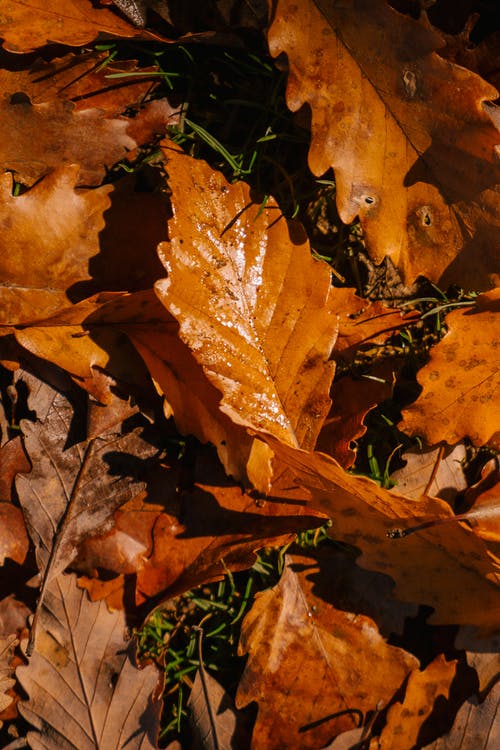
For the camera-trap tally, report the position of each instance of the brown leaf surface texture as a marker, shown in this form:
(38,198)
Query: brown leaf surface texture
(252,304)
(415,162)
(455,569)
(24,26)
(84,688)
(47,237)
(461,382)
(312,668)
(7,645)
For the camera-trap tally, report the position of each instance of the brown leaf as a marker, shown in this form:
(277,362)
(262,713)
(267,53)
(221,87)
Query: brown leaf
(24,27)
(446,566)
(437,471)
(83,79)
(252,304)
(13,537)
(47,237)
(476,727)
(482,653)
(461,380)
(7,645)
(74,486)
(85,690)
(408,134)
(212,711)
(404,720)
(312,668)
(192,537)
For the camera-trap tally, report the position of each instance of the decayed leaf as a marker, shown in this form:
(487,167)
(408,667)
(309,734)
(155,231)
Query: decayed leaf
(85,690)
(461,381)
(476,727)
(7,645)
(408,134)
(26,26)
(74,487)
(447,566)
(252,304)
(312,668)
(437,471)
(404,720)
(47,237)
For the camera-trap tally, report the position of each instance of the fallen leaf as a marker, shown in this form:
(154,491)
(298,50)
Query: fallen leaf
(436,471)
(252,304)
(476,727)
(460,381)
(7,645)
(408,134)
(85,690)
(445,566)
(47,237)
(24,27)
(405,719)
(314,670)
(13,537)
(482,654)
(75,485)
(213,718)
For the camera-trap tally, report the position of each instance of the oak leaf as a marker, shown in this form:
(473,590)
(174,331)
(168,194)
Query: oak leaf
(437,472)
(312,668)
(415,160)
(47,237)
(85,690)
(446,566)
(460,382)
(26,26)
(7,645)
(13,537)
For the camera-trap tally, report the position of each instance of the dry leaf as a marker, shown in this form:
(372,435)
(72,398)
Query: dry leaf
(13,537)
(404,720)
(476,727)
(460,383)
(47,237)
(314,670)
(252,304)
(85,690)
(436,471)
(7,646)
(446,566)
(408,134)
(483,654)
(24,27)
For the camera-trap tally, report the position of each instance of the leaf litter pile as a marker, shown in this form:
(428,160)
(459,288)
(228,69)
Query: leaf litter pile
(227,329)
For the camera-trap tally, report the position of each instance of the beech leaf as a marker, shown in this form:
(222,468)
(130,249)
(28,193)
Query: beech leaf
(413,158)
(252,304)
(85,690)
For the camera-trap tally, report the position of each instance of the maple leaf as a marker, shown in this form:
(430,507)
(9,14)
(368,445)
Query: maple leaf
(460,383)
(339,665)
(85,690)
(412,158)
(48,236)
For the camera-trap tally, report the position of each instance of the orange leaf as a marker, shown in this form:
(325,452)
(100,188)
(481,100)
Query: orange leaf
(253,306)
(408,134)
(313,668)
(404,720)
(461,381)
